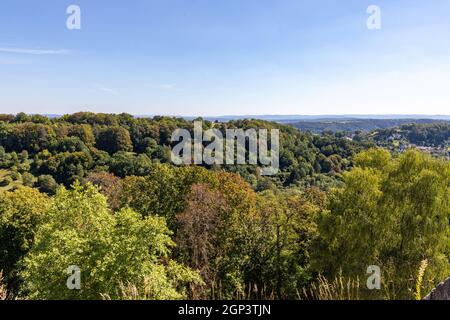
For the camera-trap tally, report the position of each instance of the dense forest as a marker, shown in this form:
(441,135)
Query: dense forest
(63,150)
(99,191)
(429,135)
(356,124)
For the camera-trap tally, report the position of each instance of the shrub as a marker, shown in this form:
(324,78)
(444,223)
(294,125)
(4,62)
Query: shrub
(47,184)
(28,179)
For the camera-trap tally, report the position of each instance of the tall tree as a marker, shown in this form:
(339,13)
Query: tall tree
(197,238)
(114,139)
(393,213)
(112,251)
(21,211)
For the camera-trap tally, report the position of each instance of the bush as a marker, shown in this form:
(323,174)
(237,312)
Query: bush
(47,184)
(15,176)
(28,179)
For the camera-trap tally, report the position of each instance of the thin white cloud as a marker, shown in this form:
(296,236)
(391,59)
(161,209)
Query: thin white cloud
(12,62)
(167,86)
(106,89)
(33,51)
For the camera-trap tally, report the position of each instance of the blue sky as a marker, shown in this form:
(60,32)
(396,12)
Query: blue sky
(225,57)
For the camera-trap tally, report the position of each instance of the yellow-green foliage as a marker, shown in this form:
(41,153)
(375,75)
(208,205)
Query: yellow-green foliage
(419,280)
(392,213)
(111,250)
(21,212)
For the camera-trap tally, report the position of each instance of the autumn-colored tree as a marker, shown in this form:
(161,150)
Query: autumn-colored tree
(163,192)
(109,185)
(197,238)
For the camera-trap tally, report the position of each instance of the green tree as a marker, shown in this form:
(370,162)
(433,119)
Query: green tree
(393,213)
(129,164)
(283,230)
(114,139)
(47,184)
(20,214)
(67,167)
(164,190)
(113,251)
(30,136)
(28,179)
(84,133)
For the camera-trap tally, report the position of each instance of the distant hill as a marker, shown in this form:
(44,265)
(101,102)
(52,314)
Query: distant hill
(320,118)
(352,125)
(295,118)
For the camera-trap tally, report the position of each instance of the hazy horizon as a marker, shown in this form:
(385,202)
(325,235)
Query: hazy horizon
(277,116)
